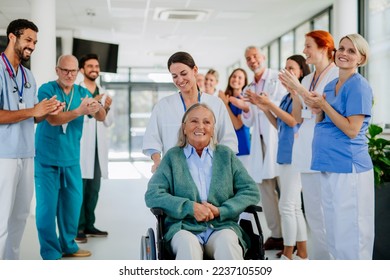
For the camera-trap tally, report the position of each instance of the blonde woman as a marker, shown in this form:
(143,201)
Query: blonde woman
(340,152)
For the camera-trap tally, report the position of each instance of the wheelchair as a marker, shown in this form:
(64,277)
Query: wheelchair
(153,248)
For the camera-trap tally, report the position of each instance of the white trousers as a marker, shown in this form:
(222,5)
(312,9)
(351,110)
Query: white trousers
(290,205)
(269,201)
(348,203)
(16,191)
(222,245)
(317,247)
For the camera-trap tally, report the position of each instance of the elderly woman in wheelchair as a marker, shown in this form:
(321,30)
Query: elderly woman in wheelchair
(202,188)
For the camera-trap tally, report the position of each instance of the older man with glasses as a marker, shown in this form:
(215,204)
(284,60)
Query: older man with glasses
(57,163)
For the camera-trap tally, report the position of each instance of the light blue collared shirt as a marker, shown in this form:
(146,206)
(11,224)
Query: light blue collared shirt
(201,170)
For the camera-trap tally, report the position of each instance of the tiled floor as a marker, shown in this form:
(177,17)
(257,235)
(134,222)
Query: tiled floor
(121,211)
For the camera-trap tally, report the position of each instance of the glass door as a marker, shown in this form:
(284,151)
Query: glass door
(143,97)
(132,107)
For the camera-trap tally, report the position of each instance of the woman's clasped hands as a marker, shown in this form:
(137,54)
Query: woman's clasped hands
(204,212)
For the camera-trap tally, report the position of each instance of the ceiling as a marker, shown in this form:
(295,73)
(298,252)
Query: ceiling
(147,37)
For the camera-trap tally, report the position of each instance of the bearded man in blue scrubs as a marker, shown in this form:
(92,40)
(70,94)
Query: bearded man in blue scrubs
(19,110)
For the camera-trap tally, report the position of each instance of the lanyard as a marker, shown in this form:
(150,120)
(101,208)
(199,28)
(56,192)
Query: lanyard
(184,104)
(64,97)
(25,83)
(313,83)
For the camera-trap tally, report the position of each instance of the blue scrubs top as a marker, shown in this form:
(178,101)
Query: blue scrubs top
(285,133)
(333,151)
(53,146)
(242,133)
(17,139)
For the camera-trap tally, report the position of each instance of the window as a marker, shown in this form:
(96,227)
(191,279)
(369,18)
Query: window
(322,22)
(286,48)
(274,55)
(378,27)
(300,33)
(293,42)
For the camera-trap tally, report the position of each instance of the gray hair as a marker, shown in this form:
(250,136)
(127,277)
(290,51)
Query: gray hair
(62,57)
(182,142)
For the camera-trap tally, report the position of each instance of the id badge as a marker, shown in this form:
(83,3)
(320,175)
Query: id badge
(22,106)
(306,113)
(64,126)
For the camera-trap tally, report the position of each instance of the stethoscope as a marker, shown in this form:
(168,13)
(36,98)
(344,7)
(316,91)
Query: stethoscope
(11,73)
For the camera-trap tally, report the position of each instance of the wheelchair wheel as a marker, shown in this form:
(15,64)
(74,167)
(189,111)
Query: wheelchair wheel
(148,246)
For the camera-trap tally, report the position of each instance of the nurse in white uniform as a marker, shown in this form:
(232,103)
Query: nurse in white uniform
(319,48)
(162,131)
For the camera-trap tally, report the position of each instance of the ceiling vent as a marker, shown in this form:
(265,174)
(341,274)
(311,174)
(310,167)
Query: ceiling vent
(183,15)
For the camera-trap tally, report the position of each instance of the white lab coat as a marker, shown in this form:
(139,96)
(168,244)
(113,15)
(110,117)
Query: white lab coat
(88,144)
(263,166)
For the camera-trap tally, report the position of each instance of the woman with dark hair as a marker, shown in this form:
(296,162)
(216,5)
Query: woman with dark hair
(238,79)
(290,208)
(319,49)
(161,132)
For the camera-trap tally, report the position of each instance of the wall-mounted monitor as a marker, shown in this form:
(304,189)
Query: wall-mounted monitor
(107,53)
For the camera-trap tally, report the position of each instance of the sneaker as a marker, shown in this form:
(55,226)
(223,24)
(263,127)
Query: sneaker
(298,258)
(284,258)
(273,243)
(95,233)
(79,254)
(81,237)
(279,254)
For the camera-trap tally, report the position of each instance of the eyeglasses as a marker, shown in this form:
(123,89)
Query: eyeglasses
(73,72)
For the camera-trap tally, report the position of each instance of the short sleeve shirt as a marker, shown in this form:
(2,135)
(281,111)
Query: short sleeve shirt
(334,151)
(56,145)
(285,134)
(243,134)
(17,139)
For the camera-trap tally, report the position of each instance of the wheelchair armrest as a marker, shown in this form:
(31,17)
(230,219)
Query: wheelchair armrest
(157,211)
(253,209)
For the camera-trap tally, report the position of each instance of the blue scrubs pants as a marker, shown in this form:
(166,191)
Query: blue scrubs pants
(59,197)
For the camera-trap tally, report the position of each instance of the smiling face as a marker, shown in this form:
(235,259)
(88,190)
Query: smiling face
(183,76)
(25,44)
(199,127)
(237,81)
(313,53)
(91,69)
(210,83)
(254,59)
(293,67)
(347,56)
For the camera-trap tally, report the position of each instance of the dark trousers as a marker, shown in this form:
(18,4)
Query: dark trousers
(91,189)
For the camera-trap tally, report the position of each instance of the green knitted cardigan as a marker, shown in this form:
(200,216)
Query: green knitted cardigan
(173,189)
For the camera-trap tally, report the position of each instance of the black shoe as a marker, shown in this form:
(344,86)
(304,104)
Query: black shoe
(273,243)
(81,237)
(95,233)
